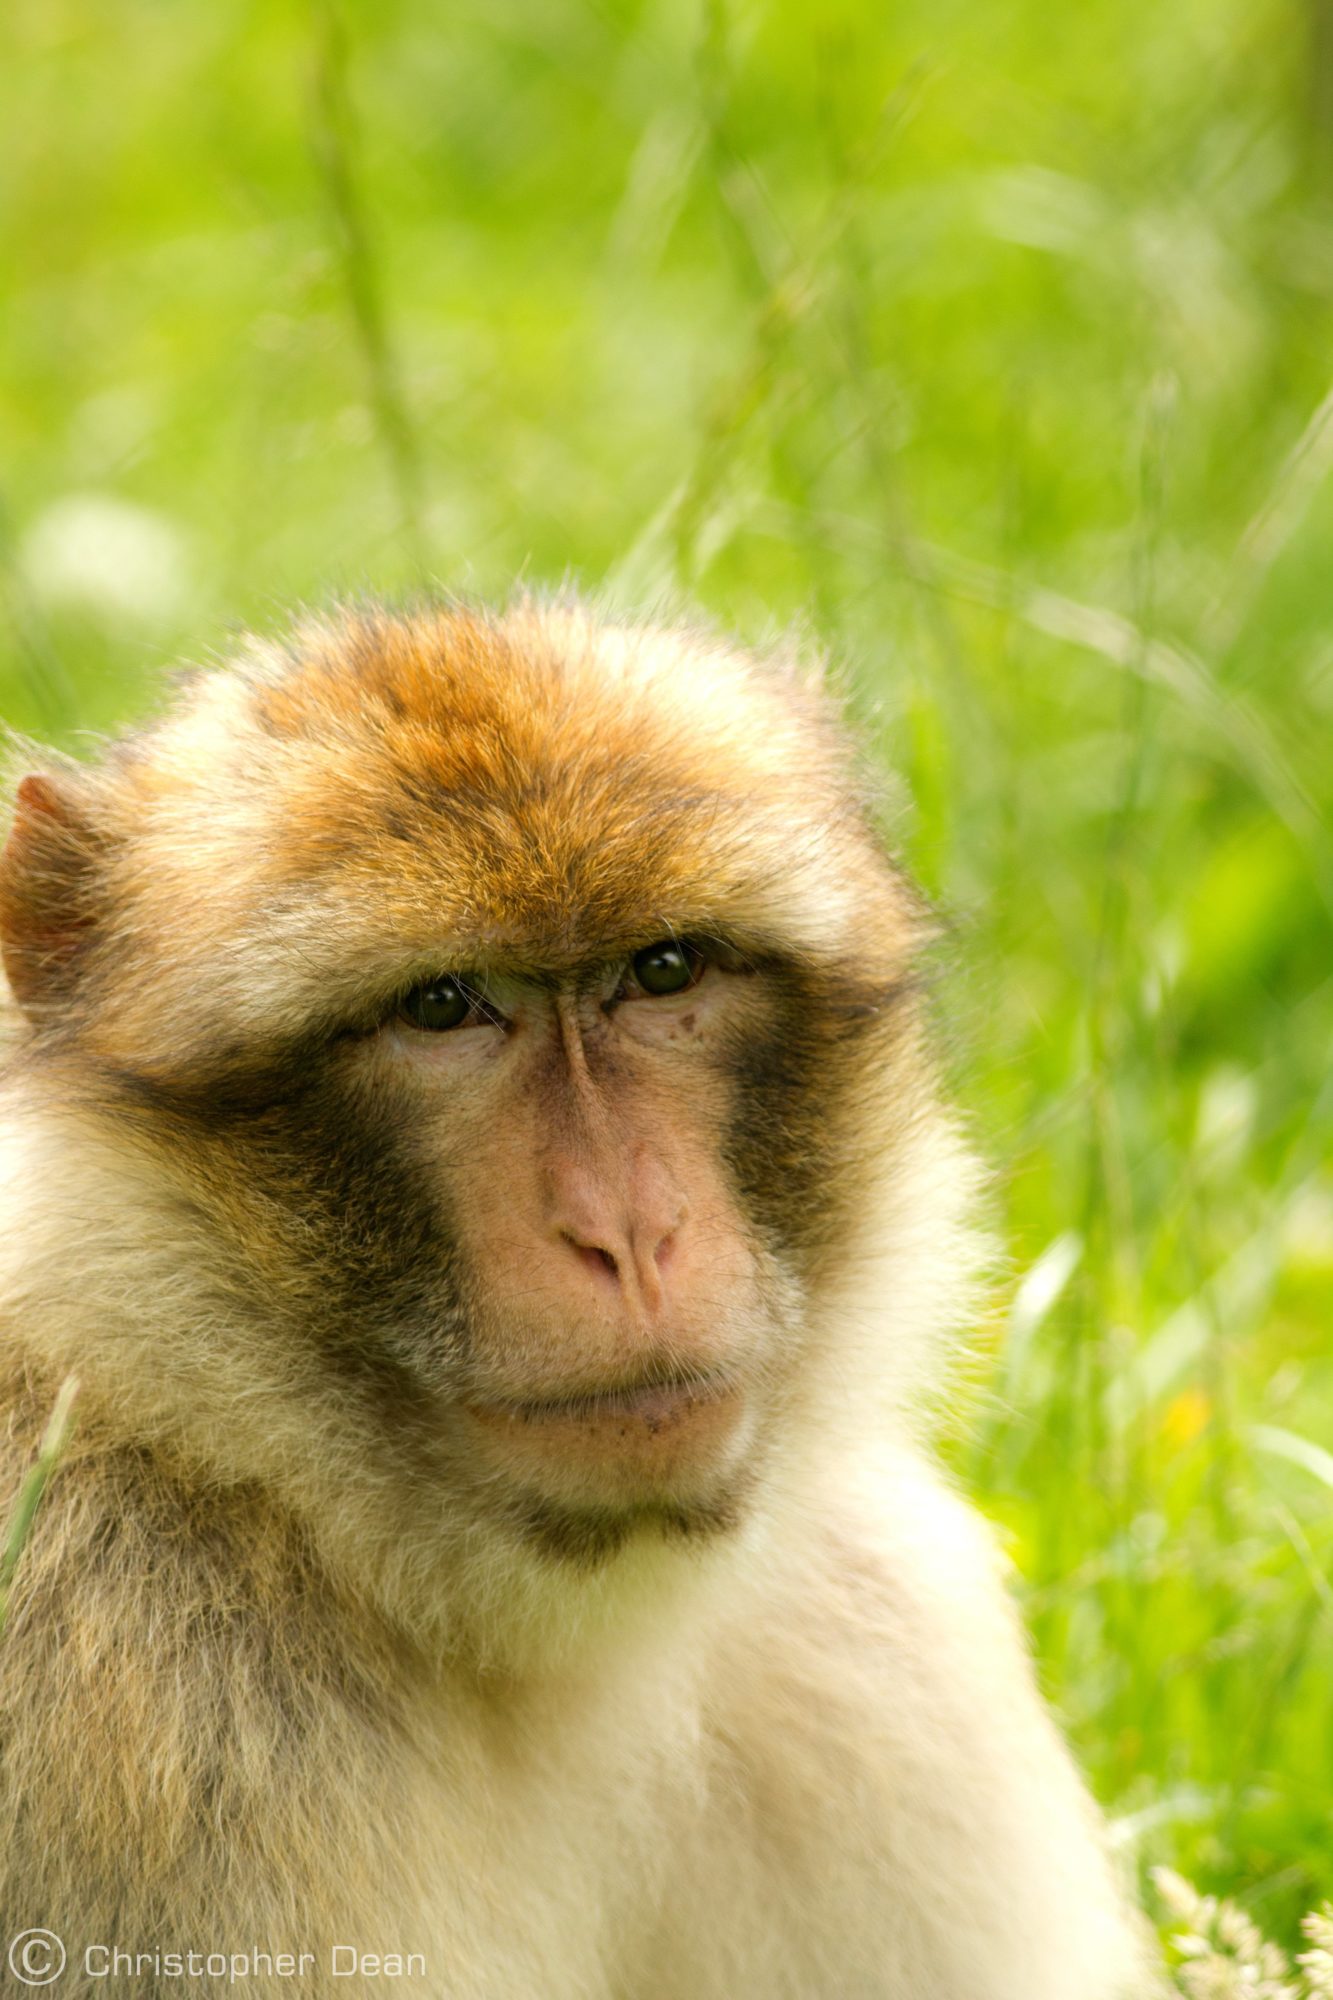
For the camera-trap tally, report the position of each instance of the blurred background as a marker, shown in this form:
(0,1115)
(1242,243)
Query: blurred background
(992,348)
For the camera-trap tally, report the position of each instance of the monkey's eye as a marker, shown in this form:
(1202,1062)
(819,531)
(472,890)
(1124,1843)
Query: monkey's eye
(442,1004)
(669,966)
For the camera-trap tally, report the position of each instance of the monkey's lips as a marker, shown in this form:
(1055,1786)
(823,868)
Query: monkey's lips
(654,1433)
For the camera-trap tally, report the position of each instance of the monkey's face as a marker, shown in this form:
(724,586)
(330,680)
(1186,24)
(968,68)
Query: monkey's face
(620,1320)
(556,1228)
(520,1005)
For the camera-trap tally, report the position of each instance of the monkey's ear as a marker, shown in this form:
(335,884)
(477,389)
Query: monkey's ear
(49,878)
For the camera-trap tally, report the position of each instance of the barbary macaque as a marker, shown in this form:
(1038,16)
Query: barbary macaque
(467,1123)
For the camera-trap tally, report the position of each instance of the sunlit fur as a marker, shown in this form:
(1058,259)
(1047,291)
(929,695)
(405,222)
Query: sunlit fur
(283,1669)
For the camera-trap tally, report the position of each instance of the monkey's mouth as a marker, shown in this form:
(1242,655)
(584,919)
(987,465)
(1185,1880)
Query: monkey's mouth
(658,1435)
(655,1405)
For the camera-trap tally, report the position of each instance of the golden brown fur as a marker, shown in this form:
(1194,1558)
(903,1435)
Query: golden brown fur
(378,1604)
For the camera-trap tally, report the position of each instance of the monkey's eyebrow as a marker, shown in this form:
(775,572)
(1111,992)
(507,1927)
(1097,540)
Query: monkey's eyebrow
(537,963)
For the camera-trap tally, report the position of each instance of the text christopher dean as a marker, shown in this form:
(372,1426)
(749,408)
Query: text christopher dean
(345,1961)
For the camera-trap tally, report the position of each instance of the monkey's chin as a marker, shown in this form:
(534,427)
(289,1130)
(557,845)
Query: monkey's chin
(676,1444)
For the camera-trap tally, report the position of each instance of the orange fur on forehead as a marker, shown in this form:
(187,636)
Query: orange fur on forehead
(385,796)
(535,778)
(519,776)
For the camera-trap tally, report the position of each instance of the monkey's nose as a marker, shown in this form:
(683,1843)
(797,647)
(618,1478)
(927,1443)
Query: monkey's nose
(619,1211)
(632,1255)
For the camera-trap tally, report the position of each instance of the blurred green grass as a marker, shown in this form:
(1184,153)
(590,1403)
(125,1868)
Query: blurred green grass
(991,347)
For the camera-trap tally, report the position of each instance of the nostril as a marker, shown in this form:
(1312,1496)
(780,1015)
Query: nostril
(598,1260)
(665,1250)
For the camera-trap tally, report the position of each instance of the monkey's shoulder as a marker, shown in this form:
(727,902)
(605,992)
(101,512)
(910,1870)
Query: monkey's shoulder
(883,1657)
(190,1622)
(886,1557)
(875,1721)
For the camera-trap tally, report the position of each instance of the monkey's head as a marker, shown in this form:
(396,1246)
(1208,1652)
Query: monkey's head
(493,1049)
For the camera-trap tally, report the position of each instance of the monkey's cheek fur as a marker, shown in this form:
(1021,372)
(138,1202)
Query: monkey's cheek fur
(667,1442)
